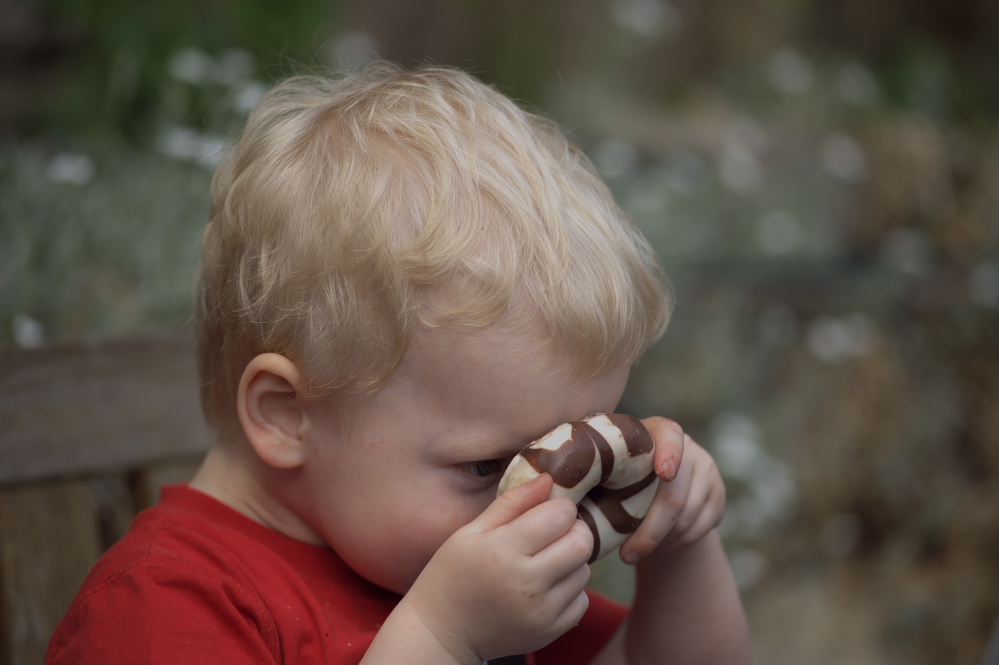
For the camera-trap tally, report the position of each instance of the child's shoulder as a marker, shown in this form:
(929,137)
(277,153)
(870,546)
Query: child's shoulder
(181,531)
(175,567)
(197,582)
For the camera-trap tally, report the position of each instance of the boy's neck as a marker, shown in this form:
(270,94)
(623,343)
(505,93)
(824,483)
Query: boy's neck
(229,477)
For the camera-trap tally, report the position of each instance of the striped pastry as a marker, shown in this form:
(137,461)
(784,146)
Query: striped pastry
(604,464)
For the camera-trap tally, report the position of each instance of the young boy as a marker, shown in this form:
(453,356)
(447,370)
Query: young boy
(405,279)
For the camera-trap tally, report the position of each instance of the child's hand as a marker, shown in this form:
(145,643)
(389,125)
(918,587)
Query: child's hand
(690,501)
(509,582)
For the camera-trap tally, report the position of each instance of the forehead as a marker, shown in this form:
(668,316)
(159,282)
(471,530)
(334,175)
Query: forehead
(500,361)
(493,389)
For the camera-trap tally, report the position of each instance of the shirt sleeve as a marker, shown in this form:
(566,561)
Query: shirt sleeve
(581,644)
(157,613)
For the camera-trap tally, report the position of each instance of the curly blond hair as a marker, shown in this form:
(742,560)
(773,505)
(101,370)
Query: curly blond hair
(358,207)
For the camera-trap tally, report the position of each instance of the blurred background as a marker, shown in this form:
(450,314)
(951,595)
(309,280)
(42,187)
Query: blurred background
(820,178)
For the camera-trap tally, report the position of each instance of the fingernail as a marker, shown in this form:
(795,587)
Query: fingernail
(535,480)
(524,485)
(668,470)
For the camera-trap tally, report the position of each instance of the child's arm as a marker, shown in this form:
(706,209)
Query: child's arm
(687,608)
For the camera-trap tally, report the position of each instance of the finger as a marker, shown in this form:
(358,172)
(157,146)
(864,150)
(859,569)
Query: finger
(705,524)
(573,613)
(540,526)
(669,439)
(706,505)
(698,501)
(565,591)
(567,553)
(513,503)
(667,506)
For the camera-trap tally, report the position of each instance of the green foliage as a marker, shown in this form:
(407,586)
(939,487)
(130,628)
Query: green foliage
(101,258)
(117,77)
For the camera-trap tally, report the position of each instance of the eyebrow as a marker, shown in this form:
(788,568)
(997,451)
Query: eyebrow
(485,448)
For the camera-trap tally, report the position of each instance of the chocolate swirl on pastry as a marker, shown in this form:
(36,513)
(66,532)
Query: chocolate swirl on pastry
(604,464)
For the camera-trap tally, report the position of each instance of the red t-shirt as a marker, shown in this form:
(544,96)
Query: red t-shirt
(195,582)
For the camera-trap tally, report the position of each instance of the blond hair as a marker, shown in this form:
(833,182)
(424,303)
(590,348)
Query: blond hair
(354,209)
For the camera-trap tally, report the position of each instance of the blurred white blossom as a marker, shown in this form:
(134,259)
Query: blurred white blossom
(835,339)
(615,157)
(748,567)
(648,195)
(774,490)
(234,65)
(789,72)
(736,446)
(747,132)
(770,487)
(908,251)
(856,85)
(686,172)
(28,333)
(71,168)
(649,18)
(739,169)
(778,232)
(193,66)
(983,284)
(352,50)
(189,144)
(246,95)
(843,158)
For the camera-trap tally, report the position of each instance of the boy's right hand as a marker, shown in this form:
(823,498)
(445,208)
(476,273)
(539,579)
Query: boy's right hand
(509,582)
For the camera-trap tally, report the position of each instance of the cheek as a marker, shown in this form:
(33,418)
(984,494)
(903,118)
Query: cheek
(431,523)
(406,544)
(425,527)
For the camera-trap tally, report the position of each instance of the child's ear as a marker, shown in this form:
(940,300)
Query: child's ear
(270,410)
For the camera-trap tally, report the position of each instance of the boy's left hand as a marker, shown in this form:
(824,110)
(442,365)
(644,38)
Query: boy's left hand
(690,501)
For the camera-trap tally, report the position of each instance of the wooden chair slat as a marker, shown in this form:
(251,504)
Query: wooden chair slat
(49,540)
(80,408)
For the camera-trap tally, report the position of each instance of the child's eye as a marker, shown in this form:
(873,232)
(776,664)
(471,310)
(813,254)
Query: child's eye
(483,468)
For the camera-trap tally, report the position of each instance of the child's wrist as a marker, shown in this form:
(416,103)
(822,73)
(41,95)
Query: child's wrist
(411,638)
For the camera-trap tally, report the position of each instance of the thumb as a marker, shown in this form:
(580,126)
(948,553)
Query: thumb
(513,503)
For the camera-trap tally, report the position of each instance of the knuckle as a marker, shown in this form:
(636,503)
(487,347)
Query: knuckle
(683,524)
(665,426)
(580,548)
(694,448)
(582,605)
(583,546)
(643,544)
(568,507)
(673,426)
(719,515)
(674,501)
(561,509)
(686,540)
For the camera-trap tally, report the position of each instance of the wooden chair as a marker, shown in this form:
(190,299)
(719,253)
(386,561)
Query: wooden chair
(89,432)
